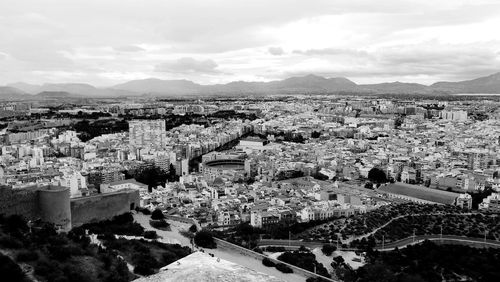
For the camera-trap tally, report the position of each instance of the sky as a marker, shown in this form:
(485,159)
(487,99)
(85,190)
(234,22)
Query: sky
(105,42)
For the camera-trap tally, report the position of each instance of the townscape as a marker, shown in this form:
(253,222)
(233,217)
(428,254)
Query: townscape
(280,169)
(249,141)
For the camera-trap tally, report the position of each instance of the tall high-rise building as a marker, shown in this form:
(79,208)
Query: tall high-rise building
(147,133)
(454,115)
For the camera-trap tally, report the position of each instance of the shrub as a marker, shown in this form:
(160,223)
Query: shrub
(9,270)
(107,236)
(160,224)
(143,269)
(267,262)
(121,225)
(273,249)
(151,234)
(205,239)
(284,268)
(145,263)
(187,234)
(10,242)
(338,260)
(258,250)
(157,214)
(27,255)
(144,211)
(304,260)
(328,249)
(15,224)
(193,228)
(50,270)
(316,279)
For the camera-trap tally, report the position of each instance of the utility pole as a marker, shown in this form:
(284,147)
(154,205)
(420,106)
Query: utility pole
(441,236)
(383,242)
(289,238)
(413,235)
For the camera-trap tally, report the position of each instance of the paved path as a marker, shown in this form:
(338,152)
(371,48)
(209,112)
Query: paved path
(174,237)
(169,237)
(473,242)
(477,242)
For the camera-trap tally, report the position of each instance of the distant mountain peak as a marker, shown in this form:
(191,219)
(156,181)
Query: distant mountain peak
(309,83)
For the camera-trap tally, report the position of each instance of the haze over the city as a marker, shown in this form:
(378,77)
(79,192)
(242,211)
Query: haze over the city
(208,42)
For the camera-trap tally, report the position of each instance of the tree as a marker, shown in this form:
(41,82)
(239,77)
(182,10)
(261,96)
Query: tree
(398,121)
(150,234)
(193,228)
(283,268)
(376,272)
(304,259)
(152,176)
(268,262)
(157,215)
(320,176)
(205,239)
(172,174)
(338,260)
(10,271)
(315,134)
(328,249)
(377,175)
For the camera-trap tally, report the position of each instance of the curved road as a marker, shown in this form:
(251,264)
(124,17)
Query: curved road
(391,245)
(396,218)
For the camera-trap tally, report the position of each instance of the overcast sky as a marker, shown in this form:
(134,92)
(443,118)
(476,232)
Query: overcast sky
(104,42)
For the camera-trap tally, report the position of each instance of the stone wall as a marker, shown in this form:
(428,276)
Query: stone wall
(246,252)
(54,206)
(19,201)
(102,206)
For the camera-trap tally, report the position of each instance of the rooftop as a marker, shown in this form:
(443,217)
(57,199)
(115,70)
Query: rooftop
(132,181)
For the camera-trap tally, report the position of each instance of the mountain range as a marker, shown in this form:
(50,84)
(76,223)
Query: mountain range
(309,84)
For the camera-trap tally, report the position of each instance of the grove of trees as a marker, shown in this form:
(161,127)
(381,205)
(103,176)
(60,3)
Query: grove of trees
(377,175)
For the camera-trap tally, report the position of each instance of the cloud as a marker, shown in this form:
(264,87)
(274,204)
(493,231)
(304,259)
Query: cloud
(276,51)
(188,65)
(128,48)
(364,39)
(331,51)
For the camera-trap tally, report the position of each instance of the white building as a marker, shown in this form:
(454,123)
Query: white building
(123,185)
(147,133)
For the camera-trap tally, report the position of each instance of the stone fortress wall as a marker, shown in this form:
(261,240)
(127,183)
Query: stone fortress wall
(103,206)
(53,204)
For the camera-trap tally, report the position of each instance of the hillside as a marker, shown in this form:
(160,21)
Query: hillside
(488,84)
(309,84)
(11,93)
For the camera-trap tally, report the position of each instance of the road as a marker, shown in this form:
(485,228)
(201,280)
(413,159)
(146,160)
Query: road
(396,218)
(392,245)
(473,242)
(174,237)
